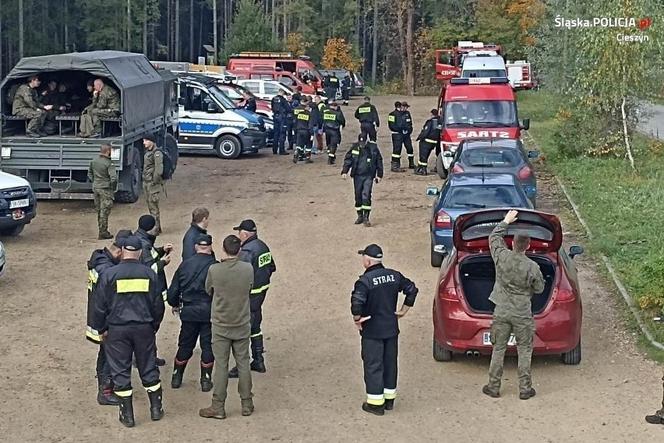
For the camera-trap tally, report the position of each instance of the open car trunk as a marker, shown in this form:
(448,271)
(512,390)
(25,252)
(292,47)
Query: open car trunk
(478,276)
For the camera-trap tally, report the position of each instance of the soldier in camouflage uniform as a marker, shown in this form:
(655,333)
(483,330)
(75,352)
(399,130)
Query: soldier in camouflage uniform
(104,181)
(105,104)
(26,104)
(153,182)
(518,278)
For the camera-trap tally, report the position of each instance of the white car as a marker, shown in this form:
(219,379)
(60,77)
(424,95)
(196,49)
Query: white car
(265,89)
(3,260)
(18,205)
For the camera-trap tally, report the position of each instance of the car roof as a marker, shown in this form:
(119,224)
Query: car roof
(476,179)
(491,143)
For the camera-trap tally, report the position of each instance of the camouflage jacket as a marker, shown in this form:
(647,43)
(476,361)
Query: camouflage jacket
(517,276)
(107,100)
(102,174)
(153,167)
(25,98)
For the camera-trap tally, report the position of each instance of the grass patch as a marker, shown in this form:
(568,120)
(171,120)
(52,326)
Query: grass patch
(624,209)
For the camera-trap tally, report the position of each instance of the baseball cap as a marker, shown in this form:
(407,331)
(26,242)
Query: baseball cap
(204,240)
(121,236)
(405,104)
(372,251)
(397,104)
(131,243)
(246,225)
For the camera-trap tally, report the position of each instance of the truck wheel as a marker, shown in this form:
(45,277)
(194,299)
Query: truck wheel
(228,147)
(442,172)
(440,353)
(131,195)
(573,357)
(12,232)
(171,146)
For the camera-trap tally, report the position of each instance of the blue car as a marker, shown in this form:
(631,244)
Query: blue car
(468,192)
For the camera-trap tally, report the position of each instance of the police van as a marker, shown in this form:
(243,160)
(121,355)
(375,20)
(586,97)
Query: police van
(209,121)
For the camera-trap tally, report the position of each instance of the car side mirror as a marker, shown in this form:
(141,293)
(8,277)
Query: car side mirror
(211,107)
(525,124)
(432,191)
(533,154)
(575,250)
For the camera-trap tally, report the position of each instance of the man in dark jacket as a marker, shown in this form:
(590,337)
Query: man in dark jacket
(200,219)
(367,115)
(187,296)
(128,310)
(407,132)
(429,139)
(333,121)
(256,252)
(279,117)
(373,305)
(365,164)
(345,89)
(100,261)
(304,127)
(249,102)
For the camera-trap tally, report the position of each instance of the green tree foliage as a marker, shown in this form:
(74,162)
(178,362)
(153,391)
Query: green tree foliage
(250,31)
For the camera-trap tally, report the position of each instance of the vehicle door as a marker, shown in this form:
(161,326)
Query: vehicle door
(200,117)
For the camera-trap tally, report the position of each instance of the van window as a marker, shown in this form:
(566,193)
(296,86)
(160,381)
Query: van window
(254,87)
(483,73)
(287,66)
(197,100)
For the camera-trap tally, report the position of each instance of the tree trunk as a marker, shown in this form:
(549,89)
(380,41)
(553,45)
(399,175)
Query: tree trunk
(214,25)
(401,6)
(410,59)
(285,6)
(128,26)
(374,43)
(273,20)
(626,135)
(65,26)
(169,46)
(364,42)
(145,27)
(20,28)
(2,72)
(358,14)
(200,27)
(191,31)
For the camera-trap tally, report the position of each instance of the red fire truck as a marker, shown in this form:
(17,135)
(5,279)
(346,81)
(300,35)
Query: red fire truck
(302,67)
(449,61)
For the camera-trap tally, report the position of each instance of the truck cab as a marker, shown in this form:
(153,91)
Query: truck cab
(209,121)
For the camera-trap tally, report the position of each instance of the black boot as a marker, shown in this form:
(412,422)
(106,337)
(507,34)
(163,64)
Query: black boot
(156,409)
(656,419)
(411,163)
(178,373)
(367,223)
(360,217)
(373,409)
(257,364)
(105,395)
(296,156)
(127,412)
(421,170)
(161,361)
(389,405)
(396,167)
(206,378)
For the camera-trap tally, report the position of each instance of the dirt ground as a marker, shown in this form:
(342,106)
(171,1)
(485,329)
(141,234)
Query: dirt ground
(313,388)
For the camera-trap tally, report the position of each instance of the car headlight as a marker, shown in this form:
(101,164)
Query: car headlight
(115,154)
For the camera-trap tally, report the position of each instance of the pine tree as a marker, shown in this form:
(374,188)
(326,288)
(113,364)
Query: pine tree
(249,31)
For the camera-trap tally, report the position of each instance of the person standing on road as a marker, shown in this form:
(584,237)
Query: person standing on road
(128,311)
(317,108)
(153,181)
(229,283)
(104,182)
(333,121)
(100,261)
(406,133)
(187,296)
(658,417)
(367,115)
(257,253)
(518,278)
(279,116)
(200,219)
(373,305)
(345,89)
(304,126)
(395,122)
(26,104)
(365,164)
(429,139)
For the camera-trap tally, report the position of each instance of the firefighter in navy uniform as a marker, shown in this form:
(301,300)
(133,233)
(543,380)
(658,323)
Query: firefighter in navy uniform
(330,86)
(304,125)
(333,121)
(367,115)
(187,296)
(100,261)
(256,252)
(373,305)
(128,309)
(365,164)
(394,122)
(407,132)
(345,89)
(429,139)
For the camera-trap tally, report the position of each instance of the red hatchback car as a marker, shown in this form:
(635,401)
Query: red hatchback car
(462,312)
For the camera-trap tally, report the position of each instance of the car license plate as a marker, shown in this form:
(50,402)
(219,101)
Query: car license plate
(19,203)
(486,339)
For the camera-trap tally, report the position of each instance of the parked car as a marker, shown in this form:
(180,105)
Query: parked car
(235,92)
(467,192)
(264,89)
(18,205)
(496,155)
(462,311)
(3,259)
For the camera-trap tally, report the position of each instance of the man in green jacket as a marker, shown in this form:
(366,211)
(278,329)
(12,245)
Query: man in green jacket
(105,104)
(229,284)
(518,278)
(153,182)
(26,104)
(104,181)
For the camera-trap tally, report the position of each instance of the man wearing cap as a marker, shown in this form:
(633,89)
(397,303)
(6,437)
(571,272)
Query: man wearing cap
(128,309)
(373,305)
(229,284)
(153,182)
(304,128)
(401,126)
(200,219)
(104,181)
(256,252)
(187,296)
(333,121)
(365,163)
(367,115)
(100,261)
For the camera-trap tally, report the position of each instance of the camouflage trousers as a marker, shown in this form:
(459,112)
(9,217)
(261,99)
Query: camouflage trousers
(501,329)
(36,121)
(103,205)
(91,121)
(152,195)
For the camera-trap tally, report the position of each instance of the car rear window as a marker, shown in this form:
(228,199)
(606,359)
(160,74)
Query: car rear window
(484,229)
(482,196)
(490,157)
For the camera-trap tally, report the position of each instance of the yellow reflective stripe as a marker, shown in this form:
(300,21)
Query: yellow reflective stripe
(411,155)
(124,394)
(261,289)
(389,394)
(93,276)
(164,294)
(366,208)
(430,140)
(302,116)
(355,152)
(258,334)
(364,109)
(396,156)
(376,400)
(154,388)
(133,285)
(331,155)
(154,254)
(329,116)
(390,118)
(264,259)
(423,163)
(93,335)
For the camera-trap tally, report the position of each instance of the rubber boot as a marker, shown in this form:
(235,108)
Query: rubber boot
(206,377)
(127,411)
(178,373)
(156,409)
(257,363)
(330,160)
(411,163)
(360,217)
(296,155)
(307,158)
(656,419)
(421,170)
(367,223)
(373,409)
(105,395)
(389,404)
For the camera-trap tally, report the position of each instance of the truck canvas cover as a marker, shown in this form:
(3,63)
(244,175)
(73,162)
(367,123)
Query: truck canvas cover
(140,85)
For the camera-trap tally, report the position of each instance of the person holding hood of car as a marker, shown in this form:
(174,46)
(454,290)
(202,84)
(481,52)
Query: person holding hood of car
(518,278)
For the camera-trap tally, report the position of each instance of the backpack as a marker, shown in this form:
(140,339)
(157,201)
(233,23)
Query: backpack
(169,165)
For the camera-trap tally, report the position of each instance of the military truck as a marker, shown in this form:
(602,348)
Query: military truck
(56,165)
